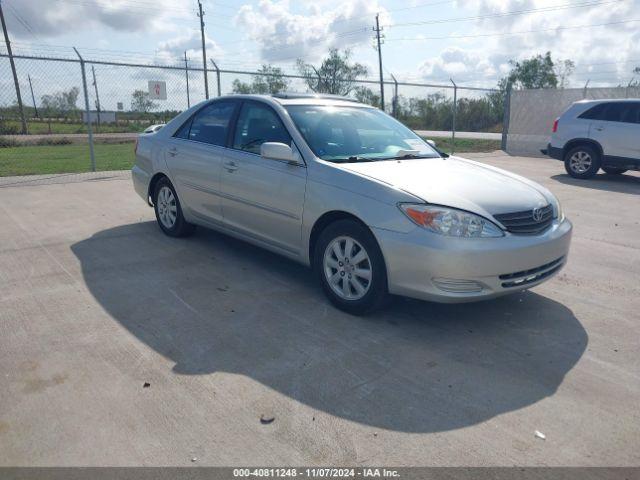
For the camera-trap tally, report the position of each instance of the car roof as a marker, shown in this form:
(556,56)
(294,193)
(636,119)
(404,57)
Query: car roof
(303,99)
(607,100)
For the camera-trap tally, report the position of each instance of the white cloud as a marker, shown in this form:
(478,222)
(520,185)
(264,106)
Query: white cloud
(284,36)
(601,53)
(191,42)
(49,18)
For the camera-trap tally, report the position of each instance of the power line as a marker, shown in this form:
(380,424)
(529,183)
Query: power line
(506,14)
(500,34)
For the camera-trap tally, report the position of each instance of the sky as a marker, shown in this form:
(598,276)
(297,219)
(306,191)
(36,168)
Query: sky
(432,41)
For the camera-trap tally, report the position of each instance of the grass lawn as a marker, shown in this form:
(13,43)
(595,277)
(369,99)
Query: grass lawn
(37,160)
(36,128)
(467,145)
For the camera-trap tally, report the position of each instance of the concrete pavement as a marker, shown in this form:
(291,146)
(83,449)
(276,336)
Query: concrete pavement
(95,303)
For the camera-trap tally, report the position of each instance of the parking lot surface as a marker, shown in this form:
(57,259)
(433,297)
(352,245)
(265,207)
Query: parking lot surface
(121,346)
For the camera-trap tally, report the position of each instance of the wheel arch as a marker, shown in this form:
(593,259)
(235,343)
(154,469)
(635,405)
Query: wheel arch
(582,141)
(152,185)
(327,219)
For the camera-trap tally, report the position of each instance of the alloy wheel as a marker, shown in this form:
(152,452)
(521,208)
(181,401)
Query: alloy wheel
(580,162)
(167,207)
(347,268)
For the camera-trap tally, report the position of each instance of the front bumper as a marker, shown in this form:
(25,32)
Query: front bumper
(432,267)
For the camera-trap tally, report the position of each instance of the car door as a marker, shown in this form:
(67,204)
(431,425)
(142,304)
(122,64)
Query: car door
(617,131)
(194,156)
(262,198)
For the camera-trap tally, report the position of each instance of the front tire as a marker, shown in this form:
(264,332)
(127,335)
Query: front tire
(168,210)
(582,162)
(350,267)
(614,170)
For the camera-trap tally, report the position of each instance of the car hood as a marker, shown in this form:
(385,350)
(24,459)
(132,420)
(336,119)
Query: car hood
(458,183)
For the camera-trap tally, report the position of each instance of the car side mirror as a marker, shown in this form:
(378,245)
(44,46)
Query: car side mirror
(431,142)
(277,151)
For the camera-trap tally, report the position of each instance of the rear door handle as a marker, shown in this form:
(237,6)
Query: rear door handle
(230,166)
(599,129)
(173,151)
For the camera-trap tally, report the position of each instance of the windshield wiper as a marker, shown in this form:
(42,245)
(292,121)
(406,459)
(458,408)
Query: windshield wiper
(408,156)
(353,158)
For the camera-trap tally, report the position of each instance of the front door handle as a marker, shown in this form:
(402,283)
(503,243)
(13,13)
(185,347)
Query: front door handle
(230,166)
(173,151)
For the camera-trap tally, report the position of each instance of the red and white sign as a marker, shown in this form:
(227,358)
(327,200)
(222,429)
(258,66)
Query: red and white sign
(157,90)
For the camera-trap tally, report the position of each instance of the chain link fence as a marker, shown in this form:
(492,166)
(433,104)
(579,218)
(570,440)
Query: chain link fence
(532,113)
(119,104)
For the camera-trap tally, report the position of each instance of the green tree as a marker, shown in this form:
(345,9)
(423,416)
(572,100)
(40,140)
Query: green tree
(535,72)
(60,103)
(268,80)
(366,95)
(563,70)
(634,82)
(336,75)
(140,102)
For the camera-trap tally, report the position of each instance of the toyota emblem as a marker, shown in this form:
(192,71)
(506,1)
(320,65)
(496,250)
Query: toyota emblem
(537,214)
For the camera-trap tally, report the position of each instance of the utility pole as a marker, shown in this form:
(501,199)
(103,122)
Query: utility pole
(33,98)
(95,85)
(186,73)
(377,29)
(13,69)
(204,51)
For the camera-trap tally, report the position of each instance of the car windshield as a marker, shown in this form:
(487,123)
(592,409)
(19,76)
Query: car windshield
(351,134)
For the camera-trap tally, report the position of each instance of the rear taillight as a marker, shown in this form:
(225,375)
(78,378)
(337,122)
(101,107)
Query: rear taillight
(555,126)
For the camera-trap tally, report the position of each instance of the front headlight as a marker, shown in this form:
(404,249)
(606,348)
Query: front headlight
(557,210)
(449,221)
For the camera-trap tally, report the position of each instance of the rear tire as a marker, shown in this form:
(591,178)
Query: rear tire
(350,267)
(613,170)
(582,162)
(168,210)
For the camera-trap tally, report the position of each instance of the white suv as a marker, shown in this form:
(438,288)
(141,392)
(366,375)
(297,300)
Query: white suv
(594,134)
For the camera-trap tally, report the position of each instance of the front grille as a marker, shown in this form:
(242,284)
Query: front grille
(525,277)
(523,223)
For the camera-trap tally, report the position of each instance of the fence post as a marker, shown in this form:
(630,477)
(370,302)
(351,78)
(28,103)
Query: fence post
(215,65)
(453,123)
(394,102)
(86,106)
(584,90)
(13,71)
(505,117)
(186,74)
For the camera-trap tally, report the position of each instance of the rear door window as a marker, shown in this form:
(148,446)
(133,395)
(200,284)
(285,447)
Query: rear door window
(211,124)
(632,113)
(615,112)
(183,131)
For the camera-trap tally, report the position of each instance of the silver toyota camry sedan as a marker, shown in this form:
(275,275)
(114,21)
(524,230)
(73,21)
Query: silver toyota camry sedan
(346,189)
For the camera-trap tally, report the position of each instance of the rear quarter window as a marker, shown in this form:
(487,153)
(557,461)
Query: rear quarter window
(594,113)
